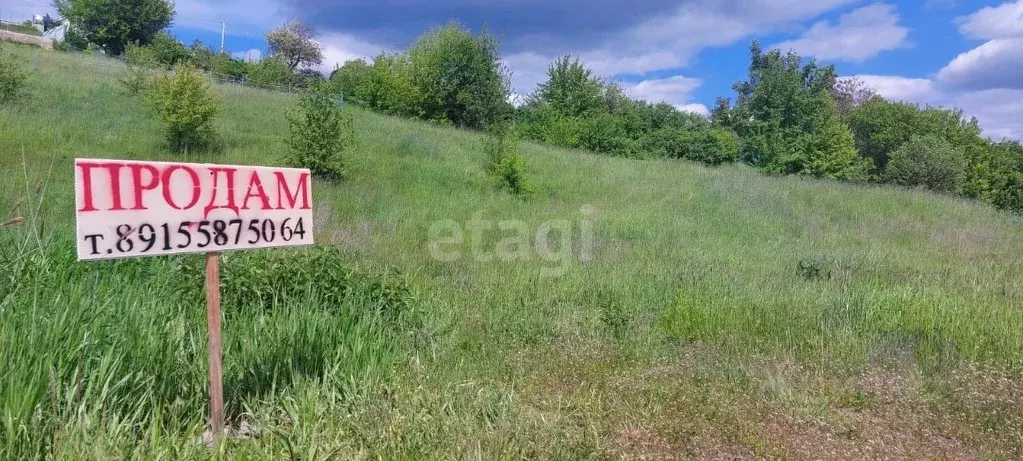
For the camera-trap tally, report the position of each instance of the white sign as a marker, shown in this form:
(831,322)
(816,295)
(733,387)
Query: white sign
(127,208)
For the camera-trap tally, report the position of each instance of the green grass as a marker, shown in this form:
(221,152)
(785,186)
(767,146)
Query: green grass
(21,29)
(691,329)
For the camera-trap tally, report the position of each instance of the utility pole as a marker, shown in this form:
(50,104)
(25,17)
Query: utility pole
(223,32)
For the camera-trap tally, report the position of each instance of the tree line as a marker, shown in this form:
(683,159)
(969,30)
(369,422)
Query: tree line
(137,31)
(789,115)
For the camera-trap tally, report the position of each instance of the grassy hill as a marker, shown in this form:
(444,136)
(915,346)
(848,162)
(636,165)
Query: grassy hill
(715,313)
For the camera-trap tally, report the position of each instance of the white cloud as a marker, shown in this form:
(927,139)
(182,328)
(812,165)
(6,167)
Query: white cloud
(698,109)
(916,90)
(995,64)
(1003,21)
(241,17)
(674,90)
(670,41)
(996,110)
(338,48)
(859,35)
(252,55)
(527,70)
(516,99)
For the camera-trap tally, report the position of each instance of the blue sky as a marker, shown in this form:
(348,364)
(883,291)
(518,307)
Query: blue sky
(964,53)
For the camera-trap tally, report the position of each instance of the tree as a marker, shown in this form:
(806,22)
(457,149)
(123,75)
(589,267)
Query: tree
(881,126)
(712,146)
(270,72)
(460,77)
(928,161)
(354,80)
(187,106)
(12,77)
(391,88)
(786,117)
(295,43)
(570,89)
(830,152)
(850,93)
(995,175)
(321,133)
(112,24)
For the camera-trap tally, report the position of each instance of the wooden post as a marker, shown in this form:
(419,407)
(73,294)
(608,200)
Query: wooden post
(213,334)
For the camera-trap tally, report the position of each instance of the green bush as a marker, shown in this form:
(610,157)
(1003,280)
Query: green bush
(317,276)
(547,125)
(504,163)
(607,134)
(321,133)
(135,79)
(995,175)
(710,146)
(930,162)
(137,55)
(73,41)
(571,89)
(881,126)
(163,51)
(12,77)
(830,152)
(187,107)
(353,80)
(786,118)
(270,73)
(460,78)
(392,88)
(168,51)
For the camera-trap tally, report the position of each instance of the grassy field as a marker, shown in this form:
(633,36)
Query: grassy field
(716,313)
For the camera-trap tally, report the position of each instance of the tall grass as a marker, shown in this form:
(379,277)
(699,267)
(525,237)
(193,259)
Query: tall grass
(715,300)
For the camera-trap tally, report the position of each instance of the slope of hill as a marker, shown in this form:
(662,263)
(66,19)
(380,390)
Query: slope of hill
(701,312)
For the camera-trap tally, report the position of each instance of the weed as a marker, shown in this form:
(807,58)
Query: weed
(12,77)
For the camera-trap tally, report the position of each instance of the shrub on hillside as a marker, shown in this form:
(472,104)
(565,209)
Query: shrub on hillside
(786,118)
(137,55)
(571,89)
(503,161)
(930,162)
(307,78)
(73,41)
(187,107)
(547,125)
(995,175)
(353,80)
(881,126)
(391,88)
(321,133)
(12,77)
(460,78)
(135,79)
(710,146)
(270,73)
(830,152)
(163,51)
(608,134)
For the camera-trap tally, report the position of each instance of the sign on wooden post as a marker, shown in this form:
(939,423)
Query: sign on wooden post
(130,209)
